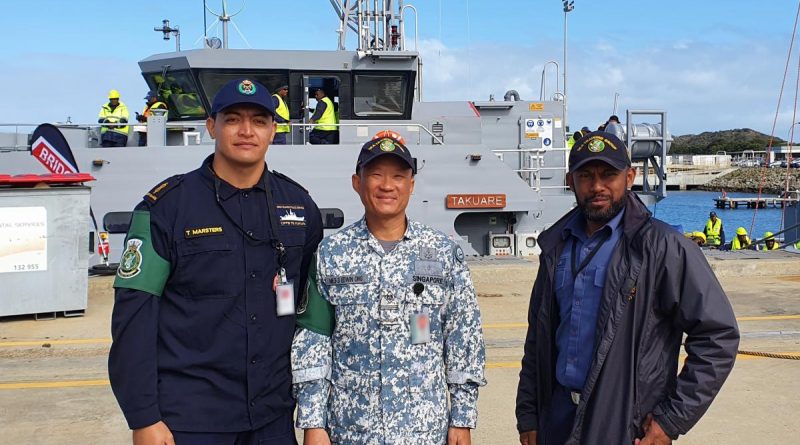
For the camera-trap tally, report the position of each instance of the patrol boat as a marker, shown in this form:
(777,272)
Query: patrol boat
(491,172)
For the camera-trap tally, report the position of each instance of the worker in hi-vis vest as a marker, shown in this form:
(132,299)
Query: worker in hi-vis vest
(113,112)
(281,115)
(153,103)
(715,235)
(326,131)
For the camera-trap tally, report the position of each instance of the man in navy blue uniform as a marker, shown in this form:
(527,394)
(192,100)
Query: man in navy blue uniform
(204,313)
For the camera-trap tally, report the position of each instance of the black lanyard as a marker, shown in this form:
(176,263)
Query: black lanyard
(272,214)
(589,256)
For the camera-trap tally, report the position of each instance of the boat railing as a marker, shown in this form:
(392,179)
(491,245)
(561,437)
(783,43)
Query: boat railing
(533,163)
(18,139)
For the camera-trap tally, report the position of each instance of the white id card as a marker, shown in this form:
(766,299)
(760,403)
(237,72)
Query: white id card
(420,328)
(284,299)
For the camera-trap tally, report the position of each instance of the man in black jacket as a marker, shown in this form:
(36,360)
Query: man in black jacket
(615,292)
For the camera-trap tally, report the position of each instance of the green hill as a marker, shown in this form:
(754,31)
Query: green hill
(730,141)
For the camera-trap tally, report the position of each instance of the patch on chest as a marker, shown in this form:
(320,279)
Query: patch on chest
(428,268)
(292,215)
(427,253)
(345,279)
(202,231)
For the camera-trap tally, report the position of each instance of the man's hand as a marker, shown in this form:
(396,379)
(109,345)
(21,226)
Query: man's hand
(458,436)
(527,438)
(316,436)
(653,434)
(155,434)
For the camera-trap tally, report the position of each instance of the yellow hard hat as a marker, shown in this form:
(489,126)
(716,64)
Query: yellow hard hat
(768,235)
(113,94)
(741,231)
(698,234)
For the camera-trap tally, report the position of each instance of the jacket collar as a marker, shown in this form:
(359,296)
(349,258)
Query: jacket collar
(636,214)
(222,188)
(362,231)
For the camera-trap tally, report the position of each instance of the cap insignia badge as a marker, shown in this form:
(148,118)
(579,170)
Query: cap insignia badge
(387,145)
(247,88)
(596,146)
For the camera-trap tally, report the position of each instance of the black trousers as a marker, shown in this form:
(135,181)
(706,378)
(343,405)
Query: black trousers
(558,419)
(278,432)
(323,137)
(279,139)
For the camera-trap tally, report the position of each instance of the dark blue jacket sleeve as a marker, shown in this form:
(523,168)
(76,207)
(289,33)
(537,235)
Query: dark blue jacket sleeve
(321,106)
(527,411)
(132,362)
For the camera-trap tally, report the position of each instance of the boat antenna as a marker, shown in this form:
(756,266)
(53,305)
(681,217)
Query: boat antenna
(224,18)
(167,30)
(378,25)
(205,24)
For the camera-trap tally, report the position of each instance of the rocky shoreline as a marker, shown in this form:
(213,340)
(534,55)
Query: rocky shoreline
(748,180)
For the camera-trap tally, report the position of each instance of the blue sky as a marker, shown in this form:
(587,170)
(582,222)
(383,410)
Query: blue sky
(712,65)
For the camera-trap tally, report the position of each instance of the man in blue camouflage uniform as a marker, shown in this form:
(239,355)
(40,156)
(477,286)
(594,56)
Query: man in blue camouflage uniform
(204,311)
(403,325)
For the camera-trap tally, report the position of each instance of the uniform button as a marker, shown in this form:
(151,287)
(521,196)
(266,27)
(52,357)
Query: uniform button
(252,274)
(245,194)
(253,362)
(253,317)
(252,403)
(250,233)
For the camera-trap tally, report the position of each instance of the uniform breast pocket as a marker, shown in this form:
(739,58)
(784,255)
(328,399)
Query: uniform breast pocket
(352,306)
(293,240)
(204,268)
(600,277)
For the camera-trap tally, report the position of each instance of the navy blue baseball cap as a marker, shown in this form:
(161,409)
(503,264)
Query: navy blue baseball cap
(243,91)
(384,146)
(599,146)
(150,94)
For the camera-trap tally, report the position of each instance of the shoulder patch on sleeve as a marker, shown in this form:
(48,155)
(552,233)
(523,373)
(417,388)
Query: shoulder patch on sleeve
(458,253)
(288,179)
(141,268)
(162,189)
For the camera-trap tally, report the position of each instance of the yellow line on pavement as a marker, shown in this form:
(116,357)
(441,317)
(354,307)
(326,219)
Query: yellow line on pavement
(89,341)
(54,384)
(76,341)
(769,318)
(756,318)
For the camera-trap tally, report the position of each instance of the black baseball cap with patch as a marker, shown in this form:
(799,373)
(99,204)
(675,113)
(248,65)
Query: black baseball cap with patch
(243,91)
(599,146)
(384,146)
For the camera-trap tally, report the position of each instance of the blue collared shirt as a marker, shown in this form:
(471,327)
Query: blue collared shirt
(579,297)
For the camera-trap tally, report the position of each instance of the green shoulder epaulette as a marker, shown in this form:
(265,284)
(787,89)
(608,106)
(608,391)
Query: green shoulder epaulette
(315,313)
(284,177)
(162,189)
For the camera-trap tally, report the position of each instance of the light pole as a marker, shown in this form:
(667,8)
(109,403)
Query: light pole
(616,95)
(569,5)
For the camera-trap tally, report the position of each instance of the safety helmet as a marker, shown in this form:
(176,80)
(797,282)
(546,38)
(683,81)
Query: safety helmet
(741,231)
(113,94)
(700,235)
(769,236)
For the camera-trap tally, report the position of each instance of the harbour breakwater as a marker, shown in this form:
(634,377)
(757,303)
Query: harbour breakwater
(748,180)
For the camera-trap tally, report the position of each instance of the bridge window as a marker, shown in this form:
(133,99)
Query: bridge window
(213,80)
(179,91)
(380,95)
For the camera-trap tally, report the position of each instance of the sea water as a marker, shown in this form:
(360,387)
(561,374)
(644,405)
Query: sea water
(690,210)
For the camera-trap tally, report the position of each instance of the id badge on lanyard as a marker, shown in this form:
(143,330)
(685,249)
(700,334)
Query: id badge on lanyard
(284,294)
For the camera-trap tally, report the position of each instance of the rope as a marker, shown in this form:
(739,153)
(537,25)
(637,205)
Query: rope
(775,120)
(770,355)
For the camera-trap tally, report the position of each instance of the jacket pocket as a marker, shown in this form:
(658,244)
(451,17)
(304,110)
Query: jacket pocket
(204,267)
(428,407)
(354,401)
